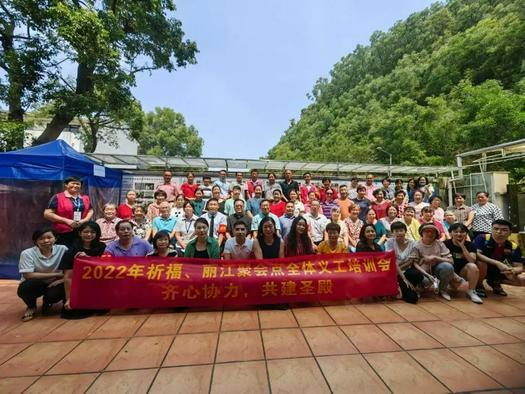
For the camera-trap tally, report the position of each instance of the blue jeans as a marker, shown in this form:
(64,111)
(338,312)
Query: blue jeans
(444,272)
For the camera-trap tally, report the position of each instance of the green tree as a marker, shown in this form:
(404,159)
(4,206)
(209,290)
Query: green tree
(108,42)
(11,135)
(445,80)
(26,57)
(165,133)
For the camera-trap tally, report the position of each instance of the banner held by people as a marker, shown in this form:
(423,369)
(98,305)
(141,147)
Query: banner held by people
(145,282)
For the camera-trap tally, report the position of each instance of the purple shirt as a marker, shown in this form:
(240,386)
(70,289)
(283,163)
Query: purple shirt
(327,207)
(138,247)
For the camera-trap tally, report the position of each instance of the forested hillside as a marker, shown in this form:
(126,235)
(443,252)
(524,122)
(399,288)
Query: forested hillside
(448,79)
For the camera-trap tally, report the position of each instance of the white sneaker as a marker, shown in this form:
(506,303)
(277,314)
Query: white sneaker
(445,295)
(474,297)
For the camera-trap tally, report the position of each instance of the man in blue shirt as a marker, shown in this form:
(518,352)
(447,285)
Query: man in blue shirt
(287,219)
(223,184)
(164,221)
(499,259)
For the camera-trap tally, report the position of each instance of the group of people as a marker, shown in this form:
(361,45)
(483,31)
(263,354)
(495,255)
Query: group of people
(269,219)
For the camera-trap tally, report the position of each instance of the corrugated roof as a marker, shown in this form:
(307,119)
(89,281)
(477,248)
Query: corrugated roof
(148,162)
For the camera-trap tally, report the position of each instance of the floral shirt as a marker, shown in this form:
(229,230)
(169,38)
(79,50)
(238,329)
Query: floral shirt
(141,228)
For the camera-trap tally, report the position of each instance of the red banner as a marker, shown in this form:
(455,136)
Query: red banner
(152,282)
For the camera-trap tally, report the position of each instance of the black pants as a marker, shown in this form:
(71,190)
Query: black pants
(407,293)
(494,276)
(30,289)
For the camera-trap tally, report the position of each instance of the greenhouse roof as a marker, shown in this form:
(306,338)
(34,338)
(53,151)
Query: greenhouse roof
(148,162)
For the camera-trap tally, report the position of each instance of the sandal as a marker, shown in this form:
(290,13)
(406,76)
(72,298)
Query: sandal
(29,314)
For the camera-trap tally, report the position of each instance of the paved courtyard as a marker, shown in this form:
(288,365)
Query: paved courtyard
(435,346)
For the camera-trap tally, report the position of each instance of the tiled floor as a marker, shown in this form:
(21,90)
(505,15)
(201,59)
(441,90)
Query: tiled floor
(435,346)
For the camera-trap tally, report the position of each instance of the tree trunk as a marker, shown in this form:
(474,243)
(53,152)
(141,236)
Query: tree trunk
(11,63)
(93,140)
(64,115)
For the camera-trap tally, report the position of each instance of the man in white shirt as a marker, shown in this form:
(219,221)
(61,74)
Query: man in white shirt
(216,220)
(238,247)
(316,223)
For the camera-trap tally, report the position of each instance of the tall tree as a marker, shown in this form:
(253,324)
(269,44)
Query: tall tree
(27,57)
(165,133)
(106,41)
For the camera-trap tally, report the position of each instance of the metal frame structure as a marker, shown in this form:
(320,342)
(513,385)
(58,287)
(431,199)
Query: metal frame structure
(514,150)
(147,162)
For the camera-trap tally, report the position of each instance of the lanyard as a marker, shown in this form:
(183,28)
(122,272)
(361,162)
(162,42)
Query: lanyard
(77,203)
(188,225)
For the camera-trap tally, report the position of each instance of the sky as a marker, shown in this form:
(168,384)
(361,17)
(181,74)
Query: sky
(257,62)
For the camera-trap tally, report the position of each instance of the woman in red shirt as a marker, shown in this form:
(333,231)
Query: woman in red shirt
(277,206)
(188,188)
(380,205)
(125,210)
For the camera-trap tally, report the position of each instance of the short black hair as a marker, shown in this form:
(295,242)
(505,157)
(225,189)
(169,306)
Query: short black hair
(72,179)
(117,226)
(41,231)
(456,226)
(159,235)
(333,227)
(264,200)
(160,193)
(401,191)
(428,208)
(503,222)
(398,226)
(201,220)
(238,223)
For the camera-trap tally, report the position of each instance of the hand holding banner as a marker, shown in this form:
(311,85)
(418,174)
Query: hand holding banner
(153,282)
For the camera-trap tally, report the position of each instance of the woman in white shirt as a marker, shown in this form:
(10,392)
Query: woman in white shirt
(185,228)
(40,274)
(407,275)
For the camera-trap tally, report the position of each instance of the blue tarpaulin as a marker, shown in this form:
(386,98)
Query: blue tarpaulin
(29,178)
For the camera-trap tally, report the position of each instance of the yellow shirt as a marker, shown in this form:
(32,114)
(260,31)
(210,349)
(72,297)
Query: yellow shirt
(412,230)
(323,248)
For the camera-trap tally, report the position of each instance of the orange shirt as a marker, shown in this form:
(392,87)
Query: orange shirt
(345,205)
(324,248)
